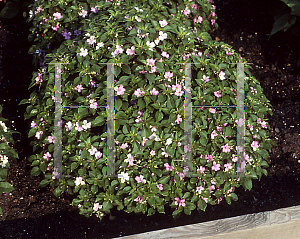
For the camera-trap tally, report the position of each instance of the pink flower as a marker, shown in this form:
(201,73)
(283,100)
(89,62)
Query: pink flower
(93,150)
(240,122)
(98,154)
(33,124)
(186,11)
(79,88)
(255,145)
(226,148)
(199,19)
(165,54)
(218,93)
(213,21)
(168,75)
(264,124)
(153,69)
(160,186)
(227,166)
(50,139)
(55,28)
(168,167)
(211,110)
(154,92)
(140,179)
(83,13)
(78,127)
(216,166)
(178,119)
(57,15)
(47,156)
(219,128)
(138,92)
(199,189)
(120,90)
(38,134)
(94,9)
(213,134)
(180,202)
(206,78)
(150,62)
(163,23)
(131,51)
(201,169)
(258,120)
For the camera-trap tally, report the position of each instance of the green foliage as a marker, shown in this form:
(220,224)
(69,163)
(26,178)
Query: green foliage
(6,152)
(288,18)
(13,7)
(149,128)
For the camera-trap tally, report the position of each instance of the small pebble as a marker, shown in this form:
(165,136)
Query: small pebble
(277,130)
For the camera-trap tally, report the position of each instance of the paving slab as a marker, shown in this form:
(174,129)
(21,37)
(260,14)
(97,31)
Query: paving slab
(278,224)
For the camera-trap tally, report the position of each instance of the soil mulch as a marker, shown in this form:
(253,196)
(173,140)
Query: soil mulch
(33,212)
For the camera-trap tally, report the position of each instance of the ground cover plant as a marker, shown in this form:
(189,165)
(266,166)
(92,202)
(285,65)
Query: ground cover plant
(151,179)
(6,151)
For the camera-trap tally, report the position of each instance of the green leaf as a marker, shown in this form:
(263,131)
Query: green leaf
(10,10)
(295,6)
(234,196)
(264,164)
(74,165)
(141,104)
(35,171)
(6,187)
(126,69)
(161,209)
(223,66)
(57,192)
(118,104)
(248,183)
(3,173)
(107,205)
(125,129)
(86,80)
(159,116)
(131,40)
(164,180)
(283,23)
(86,63)
(98,121)
(43,183)
(202,205)
(264,153)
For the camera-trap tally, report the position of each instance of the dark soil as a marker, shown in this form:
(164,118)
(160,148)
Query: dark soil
(33,212)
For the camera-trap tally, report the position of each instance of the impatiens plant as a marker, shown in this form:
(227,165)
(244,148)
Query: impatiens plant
(148,38)
(6,152)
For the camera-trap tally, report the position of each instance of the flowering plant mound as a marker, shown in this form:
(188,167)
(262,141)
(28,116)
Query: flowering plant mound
(6,152)
(149,37)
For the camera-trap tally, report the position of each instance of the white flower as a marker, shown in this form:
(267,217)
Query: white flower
(222,75)
(83,52)
(97,206)
(139,10)
(3,126)
(162,36)
(163,23)
(156,41)
(79,181)
(123,176)
(169,141)
(4,160)
(100,44)
(151,45)
(137,18)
